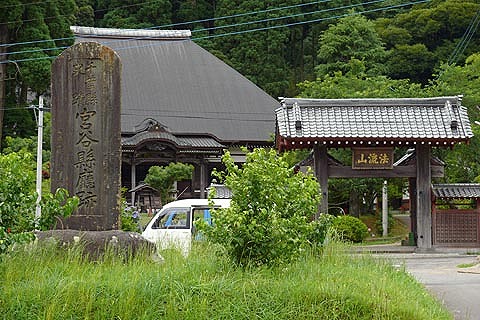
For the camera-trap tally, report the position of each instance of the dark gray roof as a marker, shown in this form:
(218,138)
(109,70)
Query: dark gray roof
(169,78)
(441,120)
(178,141)
(457,190)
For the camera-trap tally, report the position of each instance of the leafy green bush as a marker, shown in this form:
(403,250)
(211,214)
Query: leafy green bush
(320,229)
(268,220)
(129,219)
(18,201)
(350,228)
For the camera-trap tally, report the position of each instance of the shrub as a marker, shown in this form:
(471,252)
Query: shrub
(130,219)
(18,201)
(320,229)
(268,220)
(350,228)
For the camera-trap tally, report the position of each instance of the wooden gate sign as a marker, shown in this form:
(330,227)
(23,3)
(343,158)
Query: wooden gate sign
(372,158)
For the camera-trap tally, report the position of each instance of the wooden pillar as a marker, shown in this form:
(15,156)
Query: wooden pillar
(202,179)
(320,158)
(412,186)
(424,204)
(133,178)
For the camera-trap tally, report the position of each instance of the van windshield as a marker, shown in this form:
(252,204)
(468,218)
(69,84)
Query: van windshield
(173,218)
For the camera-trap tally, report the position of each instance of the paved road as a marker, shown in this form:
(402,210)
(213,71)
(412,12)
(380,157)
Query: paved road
(460,292)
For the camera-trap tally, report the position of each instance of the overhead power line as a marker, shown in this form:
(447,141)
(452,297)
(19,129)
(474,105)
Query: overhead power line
(466,38)
(218,27)
(289,24)
(195,21)
(291,16)
(243,31)
(22,4)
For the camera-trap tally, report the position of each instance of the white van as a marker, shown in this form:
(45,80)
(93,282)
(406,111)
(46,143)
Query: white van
(173,225)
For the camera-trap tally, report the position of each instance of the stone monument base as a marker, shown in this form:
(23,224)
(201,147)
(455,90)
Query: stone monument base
(95,244)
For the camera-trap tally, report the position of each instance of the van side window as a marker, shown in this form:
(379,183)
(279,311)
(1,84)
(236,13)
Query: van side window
(200,214)
(173,218)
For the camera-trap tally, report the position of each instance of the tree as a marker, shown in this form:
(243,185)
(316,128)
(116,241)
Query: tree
(85,15)
(11,11)
(355,83)
(461,163)
(35,32)
(439,27)
(460,79)
(260,55)
(414,62)
(136,14)
(353,37)
(268,219)
(162,178)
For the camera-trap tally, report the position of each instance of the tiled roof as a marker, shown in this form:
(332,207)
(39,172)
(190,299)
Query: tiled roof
(457,190)
(179,141)
(171,79)
(201,142)
(441,120)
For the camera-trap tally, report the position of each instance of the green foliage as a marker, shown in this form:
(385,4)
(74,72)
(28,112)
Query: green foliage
(350,228)
(85,15)
(136,14)
(162,178)
(55,205)
(129,215)
(268,220)
(461,164)
(130,219)
(18,199)
(415,62)
(19,123)
(29,145)
(320,229)
(437,28)
(8,239)
(356,84)
(260,56)
(17,190)
(352,37)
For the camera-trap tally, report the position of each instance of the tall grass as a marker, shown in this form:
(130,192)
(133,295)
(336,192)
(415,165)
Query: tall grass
(45,283)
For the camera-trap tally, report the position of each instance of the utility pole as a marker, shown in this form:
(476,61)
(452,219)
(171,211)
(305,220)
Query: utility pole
(38,211)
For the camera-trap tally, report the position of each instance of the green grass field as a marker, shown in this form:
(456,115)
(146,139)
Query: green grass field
(46,283)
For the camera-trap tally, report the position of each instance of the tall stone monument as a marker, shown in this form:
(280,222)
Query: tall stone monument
(86,145)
